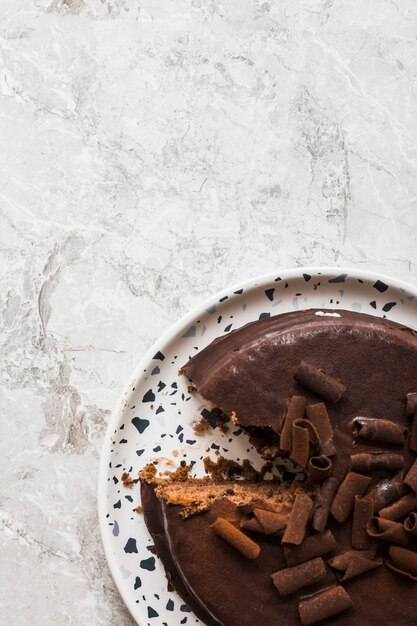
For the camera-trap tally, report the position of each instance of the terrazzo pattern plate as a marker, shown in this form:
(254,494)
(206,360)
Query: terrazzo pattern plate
(153,420)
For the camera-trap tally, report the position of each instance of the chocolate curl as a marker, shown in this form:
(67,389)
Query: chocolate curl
(319,382)
(312,546)
(411,405)
(296,410)
(324,604)
(292,579)
(387,491)
(322,503)
(402,561)
(376,462)
(304,437)
(318,415)
(236,538)
(300,449)
(319,468)
(410,524)
(411,477)
(252,524)
(298,519)
(362,512)
(378,431)
(401,507)
(265,522)
(412,441)
(353,563)
(270,522)
(387,530)
(353,485)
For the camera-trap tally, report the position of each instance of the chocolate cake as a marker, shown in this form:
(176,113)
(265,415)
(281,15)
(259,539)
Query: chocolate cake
(336,392)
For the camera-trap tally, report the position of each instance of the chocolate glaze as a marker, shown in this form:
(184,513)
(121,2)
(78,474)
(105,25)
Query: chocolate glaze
(250,371)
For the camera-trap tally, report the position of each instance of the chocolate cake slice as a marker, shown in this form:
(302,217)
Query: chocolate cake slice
(332,390)
(223,587)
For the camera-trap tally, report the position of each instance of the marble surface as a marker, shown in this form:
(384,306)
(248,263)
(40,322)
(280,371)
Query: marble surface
(151,154)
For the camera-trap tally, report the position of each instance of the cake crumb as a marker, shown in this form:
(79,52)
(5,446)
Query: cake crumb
(181,473)
(201,426)
(234,418)
(194,509)
(148,473)
(127,480)
(191,388)
(270,452)
(222,426)
(226,468)
(138,509)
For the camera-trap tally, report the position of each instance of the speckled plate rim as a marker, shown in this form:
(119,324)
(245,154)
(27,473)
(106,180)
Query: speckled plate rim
(173,331)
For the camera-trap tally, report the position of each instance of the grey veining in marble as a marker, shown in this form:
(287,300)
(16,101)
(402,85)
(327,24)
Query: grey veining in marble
(153,152)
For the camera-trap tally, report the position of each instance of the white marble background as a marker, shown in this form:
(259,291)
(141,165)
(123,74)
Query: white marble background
(152,152)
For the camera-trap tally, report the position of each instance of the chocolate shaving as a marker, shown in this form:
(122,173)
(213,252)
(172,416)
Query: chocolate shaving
(319,382)
(323,604)
(236,538)
(270,522)
(399,508)
(252,524)
(312,546)
(412,440)
(319,468)
(411,477)
(296,410)
(353,485)
(362,512)
(292,579)
(410,523)
(318,415)
(376,462)
(322,503)
(411,406)
(402,561)
(353,563)
(304,439)
(387,530)
(298,519)
(265,522)
(387,491)
(378,431)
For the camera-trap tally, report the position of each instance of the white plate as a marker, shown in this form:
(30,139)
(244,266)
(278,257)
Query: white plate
(153,419)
